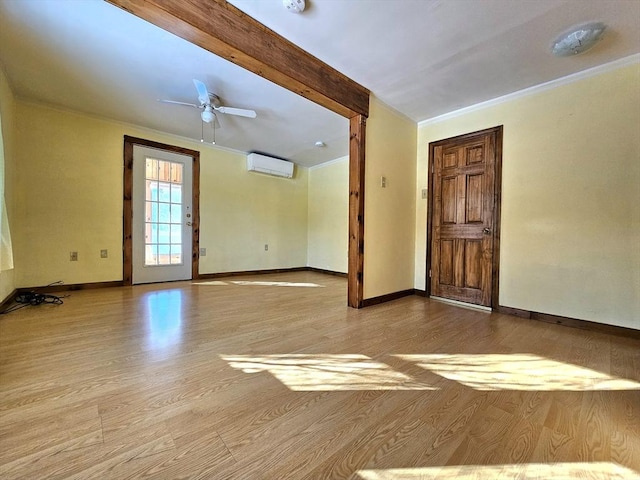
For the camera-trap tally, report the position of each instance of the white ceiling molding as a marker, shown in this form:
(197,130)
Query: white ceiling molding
(330,162)
(575,77)
(197,144)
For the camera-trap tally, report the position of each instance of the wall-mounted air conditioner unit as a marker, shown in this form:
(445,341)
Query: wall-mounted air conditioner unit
(269,165)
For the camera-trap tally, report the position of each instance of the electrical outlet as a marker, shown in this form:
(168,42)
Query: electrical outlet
(383,182)
(73,256)
(266,247)
(104,254)
(203,252)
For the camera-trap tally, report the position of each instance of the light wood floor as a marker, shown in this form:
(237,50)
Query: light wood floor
(252,381)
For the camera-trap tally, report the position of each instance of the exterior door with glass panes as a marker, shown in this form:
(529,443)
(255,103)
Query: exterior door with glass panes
(161,233)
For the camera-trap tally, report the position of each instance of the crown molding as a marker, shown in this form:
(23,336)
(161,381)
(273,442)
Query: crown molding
(330,162)
(574,77)
(127,125)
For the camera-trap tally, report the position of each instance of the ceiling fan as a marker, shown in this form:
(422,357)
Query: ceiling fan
(210,104)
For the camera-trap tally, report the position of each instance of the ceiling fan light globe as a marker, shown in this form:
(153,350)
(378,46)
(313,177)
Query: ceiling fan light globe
(208,116)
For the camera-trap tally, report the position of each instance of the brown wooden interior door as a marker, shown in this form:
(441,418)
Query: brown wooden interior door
(463,218)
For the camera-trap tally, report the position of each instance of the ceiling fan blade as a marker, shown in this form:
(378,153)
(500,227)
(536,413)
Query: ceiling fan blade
(236,111)
(203,93)
(179,103)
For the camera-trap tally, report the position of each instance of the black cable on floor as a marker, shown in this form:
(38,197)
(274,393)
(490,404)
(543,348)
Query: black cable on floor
(34,298)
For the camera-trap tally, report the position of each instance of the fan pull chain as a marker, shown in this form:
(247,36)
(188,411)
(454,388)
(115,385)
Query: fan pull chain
(201,131)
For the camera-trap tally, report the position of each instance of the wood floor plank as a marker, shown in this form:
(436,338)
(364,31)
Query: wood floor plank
(531,405)
(358,452)
(554,447)
(625,411)
(404,447)
(483,437)
(334,433)
(518,444)
(263,381)
(203,458)
(625,449)
(595,428)
(562,417)
(127,460)
(48,435)
(52,460)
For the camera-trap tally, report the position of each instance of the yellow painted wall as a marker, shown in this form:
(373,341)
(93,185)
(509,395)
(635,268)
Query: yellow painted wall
(68,190)
(389,212)
(7,113)
(69,197)
(328,228)
(242,211)
(570,232)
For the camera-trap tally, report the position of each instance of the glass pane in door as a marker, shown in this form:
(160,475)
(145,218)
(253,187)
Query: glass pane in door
(163,213)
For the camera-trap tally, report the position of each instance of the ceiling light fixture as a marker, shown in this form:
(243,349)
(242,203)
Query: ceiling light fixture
(294,6)
(578,40)
(207,114)
(320,144)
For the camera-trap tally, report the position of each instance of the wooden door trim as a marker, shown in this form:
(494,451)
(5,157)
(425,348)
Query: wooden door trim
(495,267)
(127,204)
(222,29)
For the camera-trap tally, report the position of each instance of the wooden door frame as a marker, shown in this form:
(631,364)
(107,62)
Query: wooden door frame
(226,31)
(497,203)
(127,204)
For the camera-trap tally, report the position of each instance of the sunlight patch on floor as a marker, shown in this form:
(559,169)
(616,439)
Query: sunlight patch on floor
(326,372)
(527,471)
(262,284)
(517,372)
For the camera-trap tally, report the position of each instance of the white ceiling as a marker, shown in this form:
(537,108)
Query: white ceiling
(424,58)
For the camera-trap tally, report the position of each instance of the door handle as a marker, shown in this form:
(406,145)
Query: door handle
(486,230)
(188,224)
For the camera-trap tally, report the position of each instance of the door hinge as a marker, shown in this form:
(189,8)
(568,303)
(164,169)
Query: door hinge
(429,273)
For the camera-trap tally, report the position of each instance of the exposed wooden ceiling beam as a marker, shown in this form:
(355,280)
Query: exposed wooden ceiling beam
(222,29)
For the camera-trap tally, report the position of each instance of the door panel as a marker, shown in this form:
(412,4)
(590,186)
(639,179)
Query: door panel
(475,154)
(474,197)
(450,159)
(449,204)
(473,264)
(446,262)
(462,222)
